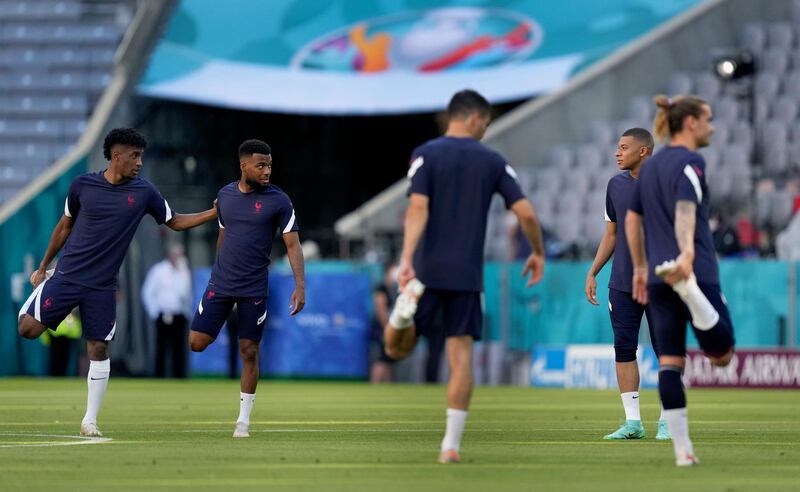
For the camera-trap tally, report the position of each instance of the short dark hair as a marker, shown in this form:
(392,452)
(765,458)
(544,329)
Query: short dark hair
(642,136)
(467,101)
(253,146)
(123,136)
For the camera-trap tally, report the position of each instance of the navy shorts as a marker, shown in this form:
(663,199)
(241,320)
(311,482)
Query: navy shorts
(214,309)
(55,298)
(626,318)
(670,315)
(461,313)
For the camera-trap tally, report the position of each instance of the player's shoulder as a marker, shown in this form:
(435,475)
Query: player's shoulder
(93,177)
(276,192)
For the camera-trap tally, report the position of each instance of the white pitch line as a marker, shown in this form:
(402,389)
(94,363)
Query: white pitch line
(79,440)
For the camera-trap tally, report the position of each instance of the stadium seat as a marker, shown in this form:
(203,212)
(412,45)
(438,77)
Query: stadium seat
(784,109)
(773,60)
(680,83)
(780,35)
(753,37)
(707,86)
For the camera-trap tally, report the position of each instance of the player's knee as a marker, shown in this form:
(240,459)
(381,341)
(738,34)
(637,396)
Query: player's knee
(722,360)
(396,353)
(27,327)
(249,353)
(624,354)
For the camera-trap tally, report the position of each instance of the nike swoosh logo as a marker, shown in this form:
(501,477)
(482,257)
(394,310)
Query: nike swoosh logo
(97,379)
(257,302)
(634,397)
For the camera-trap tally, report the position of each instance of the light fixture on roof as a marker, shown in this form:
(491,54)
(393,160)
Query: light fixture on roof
(735,66)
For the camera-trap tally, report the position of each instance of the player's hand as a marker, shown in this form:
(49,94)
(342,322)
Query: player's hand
(591,290)
(683,269)
(38,277)
(535,265)
(405,272)
(640,285)
(298,301)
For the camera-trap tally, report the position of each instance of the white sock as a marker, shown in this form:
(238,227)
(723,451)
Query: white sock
(678,424)
(246,401)
(630,401)
(456,419)
(704,316)
(397,320)
(97,381)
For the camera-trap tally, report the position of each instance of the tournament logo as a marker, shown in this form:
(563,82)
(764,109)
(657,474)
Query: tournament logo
(131,200)
(258,207)
(48,303)
(432,40)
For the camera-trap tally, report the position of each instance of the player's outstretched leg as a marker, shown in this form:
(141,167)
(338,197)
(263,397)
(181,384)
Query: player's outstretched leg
(673,399)
(400,334)
(459,393)
(97,382)
(248,350)
(704,315)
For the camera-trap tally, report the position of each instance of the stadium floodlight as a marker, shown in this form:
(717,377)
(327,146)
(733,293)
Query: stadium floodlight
(735,66)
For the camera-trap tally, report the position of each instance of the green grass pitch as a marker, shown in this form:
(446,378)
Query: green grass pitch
(176,435)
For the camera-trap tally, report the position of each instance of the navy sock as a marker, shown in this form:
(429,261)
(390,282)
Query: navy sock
(670,388)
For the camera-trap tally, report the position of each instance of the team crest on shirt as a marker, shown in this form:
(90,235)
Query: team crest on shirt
(131,200)
(48,303)
(210,294)
(258,207)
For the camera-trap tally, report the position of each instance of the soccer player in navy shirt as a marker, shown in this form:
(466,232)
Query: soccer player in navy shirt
(453,179)
(634,147)
(252,211)
(675,266)
(101,214)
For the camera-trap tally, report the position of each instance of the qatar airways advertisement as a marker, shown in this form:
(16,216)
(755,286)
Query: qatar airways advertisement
(385,56)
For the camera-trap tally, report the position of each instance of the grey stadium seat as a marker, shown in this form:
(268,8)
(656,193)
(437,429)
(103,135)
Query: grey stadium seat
(780,35)
(753,37)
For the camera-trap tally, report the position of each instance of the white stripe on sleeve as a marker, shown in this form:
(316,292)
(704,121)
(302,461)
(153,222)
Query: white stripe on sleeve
(220,223)
(288,227)
(169,212)
(692,175)
(608,219)
(66,208)
(511,172)
(415,165)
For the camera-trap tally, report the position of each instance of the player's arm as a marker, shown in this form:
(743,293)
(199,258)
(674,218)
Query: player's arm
(529,223)
(57,239)
(295,253)
(634,232)
(685,222)
(182,222)
(416,221)
(604,252)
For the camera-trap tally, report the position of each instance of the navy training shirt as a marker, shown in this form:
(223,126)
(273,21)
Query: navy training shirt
(672,174)
(251,221)
(618,197)
(459,177)
(106,217)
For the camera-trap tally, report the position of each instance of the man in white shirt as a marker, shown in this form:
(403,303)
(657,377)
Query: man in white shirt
(167,297)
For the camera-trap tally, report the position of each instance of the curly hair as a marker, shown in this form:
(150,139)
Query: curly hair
(123,136)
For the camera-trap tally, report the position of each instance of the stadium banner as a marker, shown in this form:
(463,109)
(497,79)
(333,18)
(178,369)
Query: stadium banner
(748,369)
(328,339)
(23,241)
(586,366)
(377,57)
